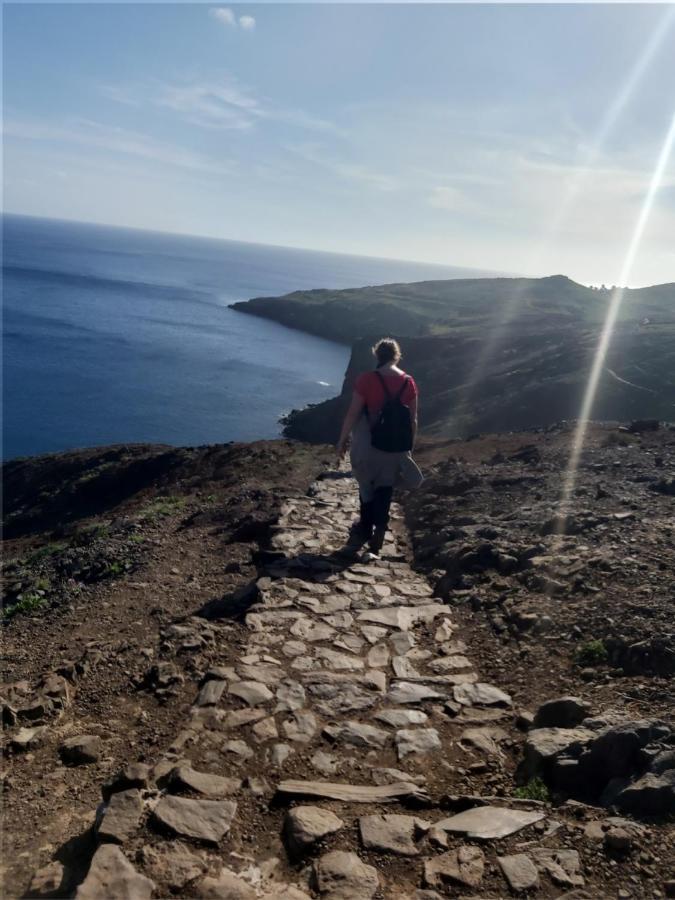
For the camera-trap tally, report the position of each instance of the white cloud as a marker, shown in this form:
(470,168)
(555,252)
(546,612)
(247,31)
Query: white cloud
(221,103)
(349,171)
(223,15)
(87,133)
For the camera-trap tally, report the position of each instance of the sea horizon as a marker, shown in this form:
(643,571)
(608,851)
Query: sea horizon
(120,335)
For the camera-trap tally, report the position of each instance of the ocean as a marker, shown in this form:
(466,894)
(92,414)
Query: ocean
(113,335)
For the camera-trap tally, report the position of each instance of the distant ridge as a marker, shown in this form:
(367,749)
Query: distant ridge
(494,354)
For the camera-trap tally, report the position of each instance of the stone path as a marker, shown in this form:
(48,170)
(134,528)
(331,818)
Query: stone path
(341,705)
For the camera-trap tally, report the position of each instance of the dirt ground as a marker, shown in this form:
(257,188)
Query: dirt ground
(106,550)
(170,531)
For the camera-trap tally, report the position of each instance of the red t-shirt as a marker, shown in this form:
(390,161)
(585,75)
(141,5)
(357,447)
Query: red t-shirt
(369,386)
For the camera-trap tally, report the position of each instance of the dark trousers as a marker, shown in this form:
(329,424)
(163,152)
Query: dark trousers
(375,514)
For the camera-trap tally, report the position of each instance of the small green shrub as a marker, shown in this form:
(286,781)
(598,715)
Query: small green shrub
(162,507)
(535,789)
(45,552)
(114,570)
(592,653)
(30,603)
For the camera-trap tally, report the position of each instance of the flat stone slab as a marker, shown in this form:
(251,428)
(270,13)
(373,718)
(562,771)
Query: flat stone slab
(122,817)
(519,871)
(481,694)
(112,877)
(251,692)
(173,863)
(301,726)
(490,822)
(416,740)
(290,696)
(338,662)
(342,876)
(464,866)
(352,793)
(356,734)
(184,778)
(392,833)
(485,738)
(449,663)
(211,692)
(378,656)
(412,692)
(403,617)
(307,630)
(205,820)
(399,718)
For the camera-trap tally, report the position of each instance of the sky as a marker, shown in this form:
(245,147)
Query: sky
(517,138)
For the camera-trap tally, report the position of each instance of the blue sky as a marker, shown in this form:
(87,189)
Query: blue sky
(516,138)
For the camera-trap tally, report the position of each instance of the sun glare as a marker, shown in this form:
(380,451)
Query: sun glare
(610,319)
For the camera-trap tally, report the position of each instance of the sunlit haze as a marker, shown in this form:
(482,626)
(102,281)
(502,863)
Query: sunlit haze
(514,138)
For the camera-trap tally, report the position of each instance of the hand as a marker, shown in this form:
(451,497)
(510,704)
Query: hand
(341,448)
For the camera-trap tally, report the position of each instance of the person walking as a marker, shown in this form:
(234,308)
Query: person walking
(382,422)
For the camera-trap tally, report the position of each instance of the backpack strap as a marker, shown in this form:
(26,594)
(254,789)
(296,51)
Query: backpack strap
(386,389)
(384,384)
(403,387)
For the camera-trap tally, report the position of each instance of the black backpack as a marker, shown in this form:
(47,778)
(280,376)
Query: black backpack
(392,430)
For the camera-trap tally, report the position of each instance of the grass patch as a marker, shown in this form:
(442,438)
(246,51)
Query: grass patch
(535,789)
(31,603)
(137,538)
(45,552)
(164,506)
(592,653)
(88,533)
(114,570)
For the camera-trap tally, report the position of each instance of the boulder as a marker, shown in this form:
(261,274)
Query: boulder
(305,825)
(28,738)
(80,750)
(543,746)
(650,795)
(563,712)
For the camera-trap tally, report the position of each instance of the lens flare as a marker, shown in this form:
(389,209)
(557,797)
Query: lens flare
(609,120)
(499,330)
(610,320)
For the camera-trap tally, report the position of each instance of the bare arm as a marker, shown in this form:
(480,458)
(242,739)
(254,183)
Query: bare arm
(353,413)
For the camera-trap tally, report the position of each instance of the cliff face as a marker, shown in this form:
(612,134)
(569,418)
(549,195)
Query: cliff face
(516,381)
(494,354)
